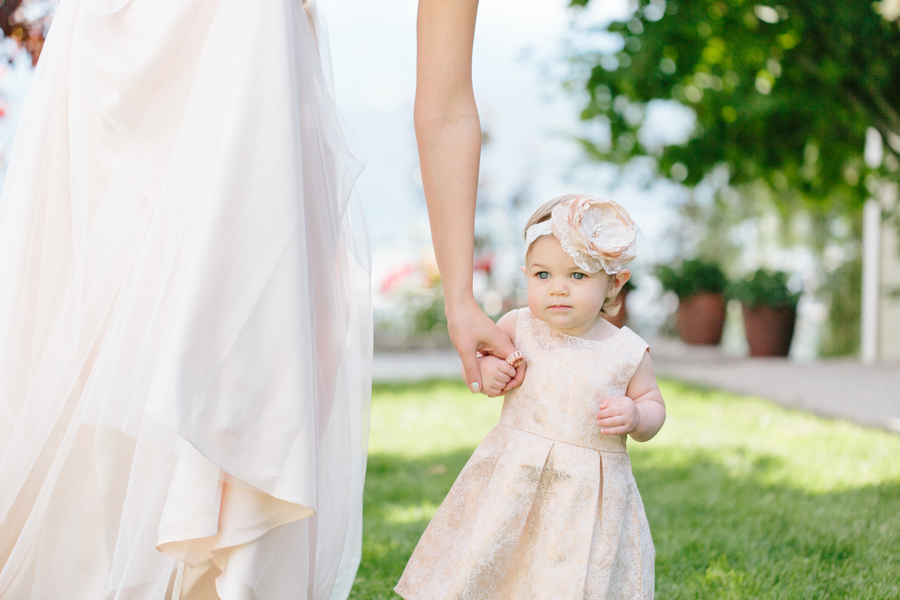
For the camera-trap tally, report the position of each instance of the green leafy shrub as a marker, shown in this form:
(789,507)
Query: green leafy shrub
(691,277)
(765,288)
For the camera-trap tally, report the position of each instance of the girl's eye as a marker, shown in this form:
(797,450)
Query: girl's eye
(577,275)
(543,275)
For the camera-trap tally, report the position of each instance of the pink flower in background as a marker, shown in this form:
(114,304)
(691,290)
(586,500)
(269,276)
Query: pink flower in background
(395,277)
(485,263)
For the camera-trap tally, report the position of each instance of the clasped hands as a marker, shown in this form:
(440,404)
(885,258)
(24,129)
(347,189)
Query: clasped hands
(497,375)
(475,335)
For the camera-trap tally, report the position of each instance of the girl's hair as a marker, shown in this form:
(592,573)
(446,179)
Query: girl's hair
(612,304)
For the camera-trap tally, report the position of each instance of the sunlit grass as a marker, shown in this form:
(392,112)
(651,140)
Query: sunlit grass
(745,499)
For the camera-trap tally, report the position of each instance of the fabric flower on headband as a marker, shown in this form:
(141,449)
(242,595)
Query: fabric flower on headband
(597,234)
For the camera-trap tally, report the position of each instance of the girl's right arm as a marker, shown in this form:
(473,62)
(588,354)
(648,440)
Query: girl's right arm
(449,137)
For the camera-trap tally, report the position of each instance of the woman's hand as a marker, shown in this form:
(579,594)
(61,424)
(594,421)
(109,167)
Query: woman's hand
(471,332)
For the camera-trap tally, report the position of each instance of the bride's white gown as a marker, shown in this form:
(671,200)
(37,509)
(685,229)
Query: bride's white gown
(184,332)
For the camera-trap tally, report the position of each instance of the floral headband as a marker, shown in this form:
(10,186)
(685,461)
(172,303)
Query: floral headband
(597,234)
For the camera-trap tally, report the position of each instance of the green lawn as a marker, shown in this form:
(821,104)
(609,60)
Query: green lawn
(745,499)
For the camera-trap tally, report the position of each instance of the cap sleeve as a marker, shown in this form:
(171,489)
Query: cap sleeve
(634,348)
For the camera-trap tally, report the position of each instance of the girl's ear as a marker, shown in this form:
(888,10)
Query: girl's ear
(523,269)
(620,279)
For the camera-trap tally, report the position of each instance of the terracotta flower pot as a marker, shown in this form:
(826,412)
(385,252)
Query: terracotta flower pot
(769,330)
(701,319)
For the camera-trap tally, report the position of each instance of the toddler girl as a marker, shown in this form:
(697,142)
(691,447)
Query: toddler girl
(547,507)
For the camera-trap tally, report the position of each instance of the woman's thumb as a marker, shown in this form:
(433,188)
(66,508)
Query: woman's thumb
(471,371)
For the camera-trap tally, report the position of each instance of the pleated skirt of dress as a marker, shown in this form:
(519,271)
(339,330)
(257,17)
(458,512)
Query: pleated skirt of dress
(530,518)
(185,336)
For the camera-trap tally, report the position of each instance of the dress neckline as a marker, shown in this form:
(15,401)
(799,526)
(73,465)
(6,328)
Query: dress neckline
(575,337)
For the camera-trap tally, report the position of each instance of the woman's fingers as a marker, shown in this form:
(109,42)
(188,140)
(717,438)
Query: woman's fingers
(475,332)
(470,367)
(467,348)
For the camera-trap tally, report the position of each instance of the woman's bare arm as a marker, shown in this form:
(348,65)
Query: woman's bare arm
(449,137)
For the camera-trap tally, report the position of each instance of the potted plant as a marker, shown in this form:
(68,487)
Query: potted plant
(770,312)
(700,287)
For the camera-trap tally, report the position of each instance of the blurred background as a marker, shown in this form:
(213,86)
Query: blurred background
(755,145)
(745,139)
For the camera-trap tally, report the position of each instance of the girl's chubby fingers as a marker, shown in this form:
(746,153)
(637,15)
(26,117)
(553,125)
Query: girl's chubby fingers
(517,378)
(492,391)
(503,377)
(618,430)
(612,421)
(614,425)
(606,413)
(612,401)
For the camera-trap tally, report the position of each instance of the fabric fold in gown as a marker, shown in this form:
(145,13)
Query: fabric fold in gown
(185,336)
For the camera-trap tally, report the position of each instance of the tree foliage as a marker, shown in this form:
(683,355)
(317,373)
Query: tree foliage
(26,22)
(782,93)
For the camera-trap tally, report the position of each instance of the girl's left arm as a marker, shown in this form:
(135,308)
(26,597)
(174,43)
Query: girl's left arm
(648,400)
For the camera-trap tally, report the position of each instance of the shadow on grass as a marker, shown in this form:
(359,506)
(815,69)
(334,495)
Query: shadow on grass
(718,535)
(400,499)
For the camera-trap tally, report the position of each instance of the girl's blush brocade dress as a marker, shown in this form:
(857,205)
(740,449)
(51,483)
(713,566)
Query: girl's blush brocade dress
(547,508)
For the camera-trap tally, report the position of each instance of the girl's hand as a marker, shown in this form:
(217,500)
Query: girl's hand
(618,415)
(471,332)
(495,375)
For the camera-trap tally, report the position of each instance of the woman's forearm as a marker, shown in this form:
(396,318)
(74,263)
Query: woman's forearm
(449,137)
(449,153)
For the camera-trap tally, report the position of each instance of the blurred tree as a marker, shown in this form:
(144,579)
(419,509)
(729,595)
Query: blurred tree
(26,22)
(7,10)
(782,93)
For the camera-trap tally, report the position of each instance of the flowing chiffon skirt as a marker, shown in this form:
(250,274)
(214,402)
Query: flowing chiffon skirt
(185,339)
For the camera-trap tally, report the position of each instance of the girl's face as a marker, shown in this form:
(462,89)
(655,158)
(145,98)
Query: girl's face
(562,294)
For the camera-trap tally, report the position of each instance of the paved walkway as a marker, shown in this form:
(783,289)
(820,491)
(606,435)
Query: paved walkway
(838,388)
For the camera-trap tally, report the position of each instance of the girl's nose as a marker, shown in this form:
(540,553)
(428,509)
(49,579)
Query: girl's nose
(559,289)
